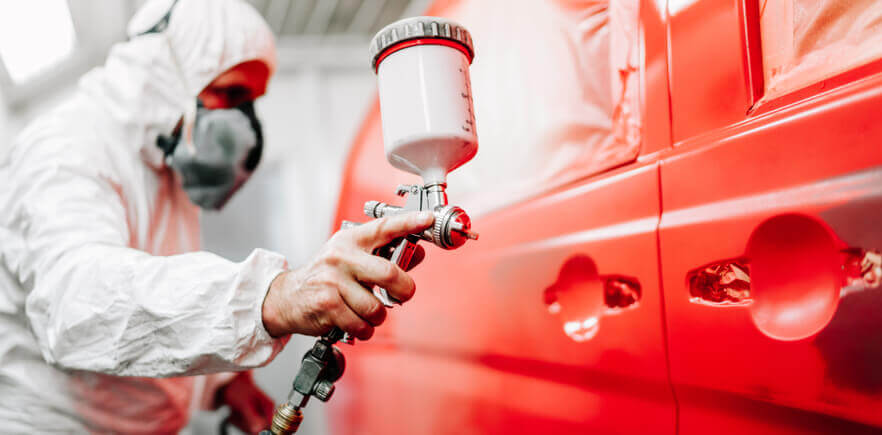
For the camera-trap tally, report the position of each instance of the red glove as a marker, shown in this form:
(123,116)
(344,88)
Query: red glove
(251,410)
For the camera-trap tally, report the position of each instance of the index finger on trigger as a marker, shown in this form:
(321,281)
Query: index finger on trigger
(379,232)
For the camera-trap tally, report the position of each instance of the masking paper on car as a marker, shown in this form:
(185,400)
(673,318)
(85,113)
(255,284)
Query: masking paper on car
(805,41)
(555,88)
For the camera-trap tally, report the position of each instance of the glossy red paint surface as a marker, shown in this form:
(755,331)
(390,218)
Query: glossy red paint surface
(786,189)
(574,314)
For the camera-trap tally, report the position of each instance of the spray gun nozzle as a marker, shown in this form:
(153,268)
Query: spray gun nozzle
(460,228)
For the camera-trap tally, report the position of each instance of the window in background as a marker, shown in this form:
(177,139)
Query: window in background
(34,36)
(805,41)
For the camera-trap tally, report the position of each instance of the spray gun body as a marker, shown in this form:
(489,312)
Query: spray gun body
(422,67)
(452,227)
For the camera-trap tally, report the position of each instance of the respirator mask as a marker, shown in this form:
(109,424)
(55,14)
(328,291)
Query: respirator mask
(214,151)
(224,150)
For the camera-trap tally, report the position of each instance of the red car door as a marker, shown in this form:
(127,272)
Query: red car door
(550,323)
(770,233)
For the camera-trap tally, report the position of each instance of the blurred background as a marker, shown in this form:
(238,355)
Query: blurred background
(310,113)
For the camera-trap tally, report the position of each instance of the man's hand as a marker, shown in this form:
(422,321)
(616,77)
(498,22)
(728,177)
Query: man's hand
(251,410)
(335,288)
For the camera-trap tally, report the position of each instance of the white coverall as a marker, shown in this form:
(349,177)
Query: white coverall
(100,303)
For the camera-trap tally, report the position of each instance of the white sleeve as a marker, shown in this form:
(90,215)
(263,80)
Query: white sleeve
(95,304)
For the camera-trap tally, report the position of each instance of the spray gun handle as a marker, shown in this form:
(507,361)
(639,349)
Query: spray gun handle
(400,252)
(401,255)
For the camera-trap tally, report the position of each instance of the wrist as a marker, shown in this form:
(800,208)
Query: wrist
(272,314)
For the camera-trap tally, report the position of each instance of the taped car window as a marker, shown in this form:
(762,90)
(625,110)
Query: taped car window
(805,41)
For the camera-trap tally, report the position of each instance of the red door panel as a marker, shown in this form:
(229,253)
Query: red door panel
(769,244)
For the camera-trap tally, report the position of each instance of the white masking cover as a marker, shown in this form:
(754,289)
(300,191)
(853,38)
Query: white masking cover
(555,86)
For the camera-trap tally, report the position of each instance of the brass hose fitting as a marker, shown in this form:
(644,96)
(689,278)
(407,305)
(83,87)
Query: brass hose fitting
(286,419)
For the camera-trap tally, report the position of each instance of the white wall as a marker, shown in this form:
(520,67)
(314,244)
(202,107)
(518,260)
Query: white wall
(13,120)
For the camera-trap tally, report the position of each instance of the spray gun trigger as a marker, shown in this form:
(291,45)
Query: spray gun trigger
(401,255)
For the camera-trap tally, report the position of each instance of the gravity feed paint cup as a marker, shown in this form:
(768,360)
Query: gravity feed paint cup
(422,66)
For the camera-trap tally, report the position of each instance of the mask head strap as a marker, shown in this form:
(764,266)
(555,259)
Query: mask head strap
(253,157)
(168,143)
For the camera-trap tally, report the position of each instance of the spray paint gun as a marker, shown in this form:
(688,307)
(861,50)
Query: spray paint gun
(422,67)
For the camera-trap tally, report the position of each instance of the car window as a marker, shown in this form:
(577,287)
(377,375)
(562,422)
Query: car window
(555,87)
(805,41)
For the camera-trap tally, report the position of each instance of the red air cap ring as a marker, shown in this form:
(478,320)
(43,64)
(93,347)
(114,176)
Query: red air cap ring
(424,41)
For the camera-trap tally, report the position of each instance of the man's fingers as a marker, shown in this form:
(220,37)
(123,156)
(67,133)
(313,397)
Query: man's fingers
(363,303)
(372,270)
(349,322)
(379,232)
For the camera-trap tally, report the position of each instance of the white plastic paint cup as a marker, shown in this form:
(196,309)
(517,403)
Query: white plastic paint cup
(422,67)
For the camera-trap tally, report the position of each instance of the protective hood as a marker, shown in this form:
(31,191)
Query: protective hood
(151,80)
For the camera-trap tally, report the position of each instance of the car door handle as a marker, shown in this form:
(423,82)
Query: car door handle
(791,278)
(580,297)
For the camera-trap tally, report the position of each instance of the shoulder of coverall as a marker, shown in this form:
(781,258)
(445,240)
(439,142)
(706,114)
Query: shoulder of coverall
(73,134)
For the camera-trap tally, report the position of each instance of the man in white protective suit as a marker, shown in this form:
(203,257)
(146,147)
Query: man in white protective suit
(107,309)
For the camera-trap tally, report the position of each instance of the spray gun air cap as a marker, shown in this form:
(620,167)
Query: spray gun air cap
(422,66)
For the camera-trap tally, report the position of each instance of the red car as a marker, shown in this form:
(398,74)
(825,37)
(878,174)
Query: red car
(680,209)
